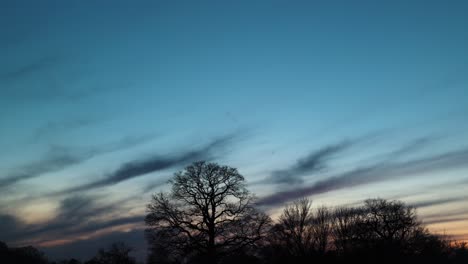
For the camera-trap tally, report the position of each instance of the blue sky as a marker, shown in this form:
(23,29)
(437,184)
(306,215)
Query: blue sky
(336,100)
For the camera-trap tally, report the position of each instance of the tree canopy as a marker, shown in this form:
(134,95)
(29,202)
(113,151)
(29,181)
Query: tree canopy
(209,213)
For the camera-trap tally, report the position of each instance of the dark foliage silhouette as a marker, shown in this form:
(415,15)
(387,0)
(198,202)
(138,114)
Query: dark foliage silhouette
(117,253)
(21,255)
(208,215)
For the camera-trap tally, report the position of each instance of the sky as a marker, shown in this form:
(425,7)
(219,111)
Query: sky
(340,101)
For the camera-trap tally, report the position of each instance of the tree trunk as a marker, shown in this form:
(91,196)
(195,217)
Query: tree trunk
(211,245)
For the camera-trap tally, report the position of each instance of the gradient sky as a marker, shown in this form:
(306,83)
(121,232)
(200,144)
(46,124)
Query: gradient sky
(102,101)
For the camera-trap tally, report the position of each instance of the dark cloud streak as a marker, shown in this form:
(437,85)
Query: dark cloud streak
(76,215)
(429,203)
(59,158)
(382,171)
(155,163)
(312,163)
(316,161)
(56,159)
(444,220)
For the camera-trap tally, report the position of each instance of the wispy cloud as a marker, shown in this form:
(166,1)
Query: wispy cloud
(29,69)
(151,186)
(48,78)
(377,172)
(59,158)
(75,216)
(433,202)
(80,215)
(314,162)
(141,167)
(409,148)
(56,159)
(444,220)
(53,128)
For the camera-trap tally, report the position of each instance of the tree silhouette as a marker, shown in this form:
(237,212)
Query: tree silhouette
(384,231)
(390,220)
(21,255)
(208,214)
(345,233)
(117,253)
(301,232)
(294,230)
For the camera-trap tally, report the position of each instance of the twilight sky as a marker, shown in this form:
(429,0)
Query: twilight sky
(102,101)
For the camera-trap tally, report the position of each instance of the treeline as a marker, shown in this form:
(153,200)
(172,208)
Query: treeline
(380,231)
(209,216)
(117,253)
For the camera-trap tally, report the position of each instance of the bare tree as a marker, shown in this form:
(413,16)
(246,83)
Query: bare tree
(381,228)
(390,220)
(208,212)
(303,231)
(322,228)
(294,229)
(344,227)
